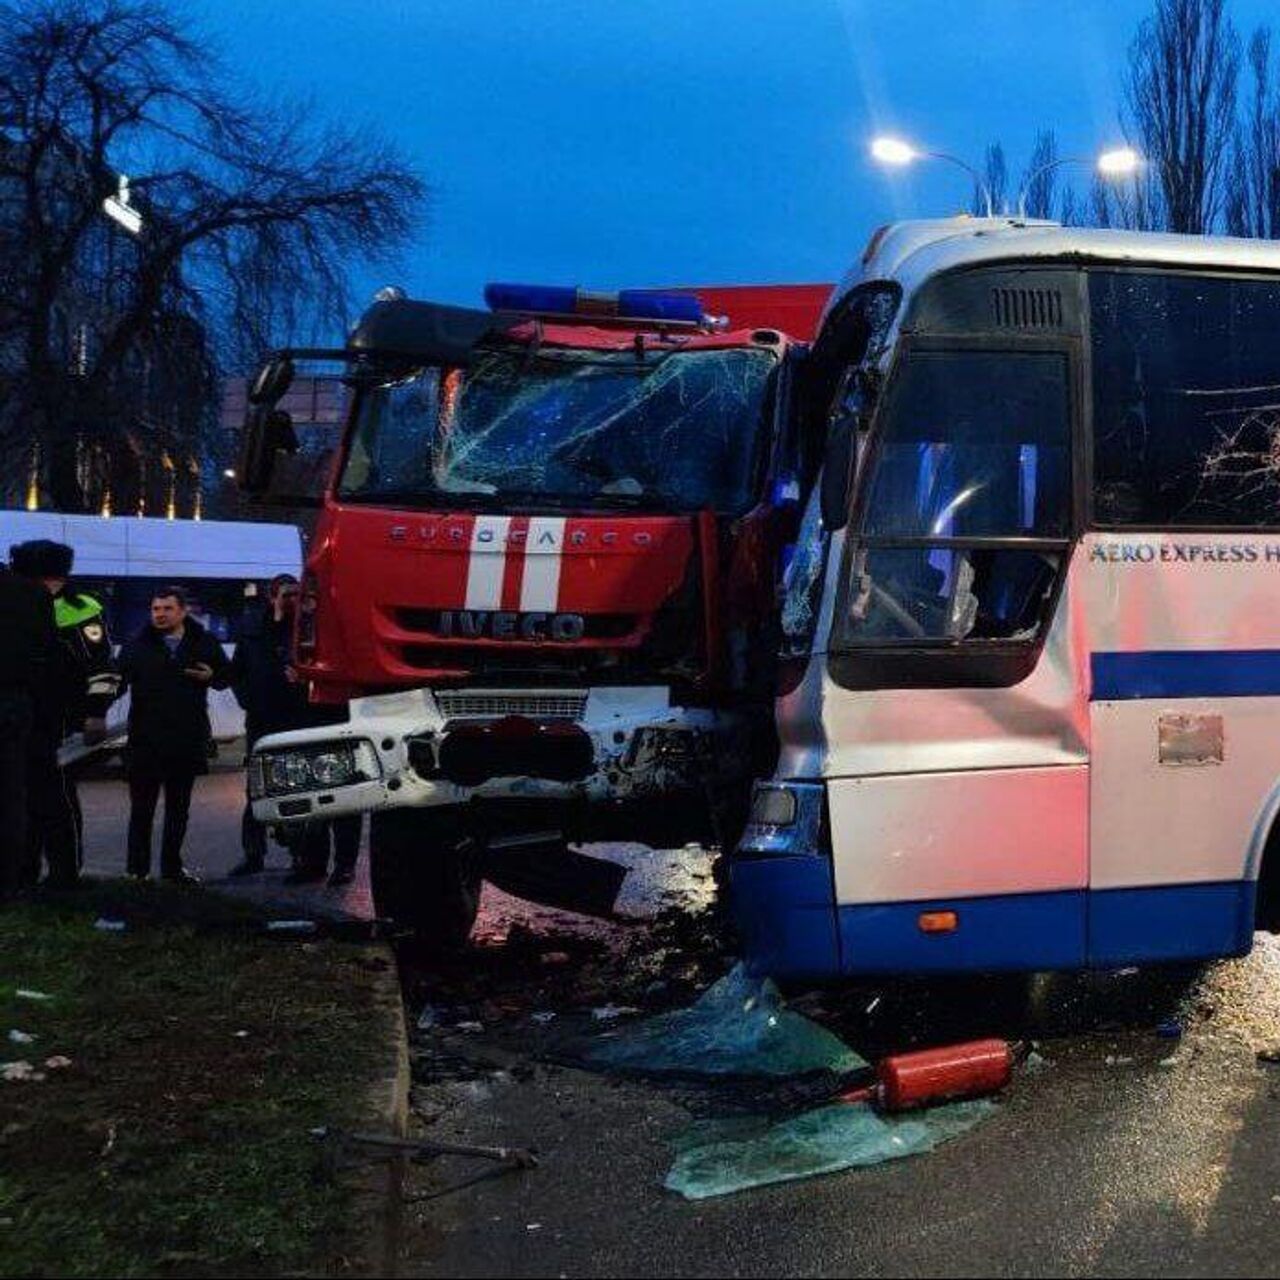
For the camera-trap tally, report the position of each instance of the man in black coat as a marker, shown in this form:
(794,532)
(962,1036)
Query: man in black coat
(28,651)
(169,667)
(84,683)
(274,699)
(272,696)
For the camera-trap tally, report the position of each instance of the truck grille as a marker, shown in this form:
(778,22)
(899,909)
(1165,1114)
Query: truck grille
(492,703)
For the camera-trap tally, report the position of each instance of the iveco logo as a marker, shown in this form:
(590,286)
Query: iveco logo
(471,624)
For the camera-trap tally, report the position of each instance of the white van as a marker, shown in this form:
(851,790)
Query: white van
(121,560)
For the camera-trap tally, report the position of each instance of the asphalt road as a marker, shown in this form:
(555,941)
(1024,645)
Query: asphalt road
(1124,1154)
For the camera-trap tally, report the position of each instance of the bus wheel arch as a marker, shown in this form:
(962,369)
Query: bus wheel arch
(1263,864)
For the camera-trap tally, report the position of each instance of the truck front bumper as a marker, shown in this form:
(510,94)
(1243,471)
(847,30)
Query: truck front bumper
(419,749)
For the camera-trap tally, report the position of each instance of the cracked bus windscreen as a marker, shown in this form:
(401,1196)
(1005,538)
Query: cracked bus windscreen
(678,430)
(973,445)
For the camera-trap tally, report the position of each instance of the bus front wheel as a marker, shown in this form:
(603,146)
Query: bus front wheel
(424,875)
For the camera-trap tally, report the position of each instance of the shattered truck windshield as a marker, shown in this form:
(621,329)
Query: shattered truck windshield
(679,430)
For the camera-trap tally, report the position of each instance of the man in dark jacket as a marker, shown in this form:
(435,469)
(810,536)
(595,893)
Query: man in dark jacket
(28,648)
(84,683)
(272,696)
(170,668)
(274,699)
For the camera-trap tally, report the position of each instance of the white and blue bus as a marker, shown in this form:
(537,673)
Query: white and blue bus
(1031,715)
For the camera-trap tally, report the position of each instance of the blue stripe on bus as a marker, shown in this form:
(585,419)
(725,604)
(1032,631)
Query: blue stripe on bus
(791,929)
(1186,673)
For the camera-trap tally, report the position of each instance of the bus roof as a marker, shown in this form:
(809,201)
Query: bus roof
(911,252)
(137,547)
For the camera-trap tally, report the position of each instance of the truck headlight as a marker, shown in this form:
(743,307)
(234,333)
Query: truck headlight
(286,770)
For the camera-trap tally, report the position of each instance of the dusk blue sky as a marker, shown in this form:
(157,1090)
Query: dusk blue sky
(636,142)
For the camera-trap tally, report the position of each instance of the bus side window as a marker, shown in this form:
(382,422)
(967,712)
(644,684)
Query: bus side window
(1186,399)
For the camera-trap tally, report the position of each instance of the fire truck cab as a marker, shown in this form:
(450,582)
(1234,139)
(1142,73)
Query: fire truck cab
(544,579)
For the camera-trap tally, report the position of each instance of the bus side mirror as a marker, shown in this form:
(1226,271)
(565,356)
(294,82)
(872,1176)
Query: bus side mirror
(837,471)
(267,433)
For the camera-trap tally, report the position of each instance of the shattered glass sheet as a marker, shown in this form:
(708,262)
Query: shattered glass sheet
(717,1158)
(738,1027)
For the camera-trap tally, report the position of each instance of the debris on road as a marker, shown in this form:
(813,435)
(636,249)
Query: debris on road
(1170,1029)
(717,1158)
(25,993)
(20,1037)
(738,1027)
(292,926)
(608,1012)
(104,925)
(927,1077)
(57,1062)
(14,1072)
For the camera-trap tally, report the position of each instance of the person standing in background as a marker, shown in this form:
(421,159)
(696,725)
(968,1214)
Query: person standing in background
(28,652)
(265,685)
(82,687)
(169,667)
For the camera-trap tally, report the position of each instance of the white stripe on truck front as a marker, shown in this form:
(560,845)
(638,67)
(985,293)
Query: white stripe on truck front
(540,586)
(487,562)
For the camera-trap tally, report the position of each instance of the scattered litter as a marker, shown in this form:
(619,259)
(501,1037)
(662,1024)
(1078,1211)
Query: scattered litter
(738,1027)
(21,1037)
(608,1012)
(1169,1029)
(542,1017)
(533,1226)
(1034,1062)
(17,1071)
(1171,1061)
(716,1158)
(1126,972)
(242,1035)
(25,993)
(470,1027)
(1113,1061)
(57,1062)
(555,958)
(292,926)
(428,1018)
(871,1008)
(103,925)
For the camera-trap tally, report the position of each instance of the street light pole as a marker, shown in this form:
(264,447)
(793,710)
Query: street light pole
(893,151)
(1111,164)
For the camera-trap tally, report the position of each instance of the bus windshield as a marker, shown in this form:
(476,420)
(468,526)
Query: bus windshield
(675,430)
(973,446)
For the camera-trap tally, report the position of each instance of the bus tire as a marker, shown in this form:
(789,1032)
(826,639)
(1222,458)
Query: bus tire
(423,874)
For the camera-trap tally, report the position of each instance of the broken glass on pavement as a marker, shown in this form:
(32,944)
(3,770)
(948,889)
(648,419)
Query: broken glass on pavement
(738,1027)
(717,1158)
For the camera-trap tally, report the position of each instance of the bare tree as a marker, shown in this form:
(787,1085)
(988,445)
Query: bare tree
(1040,181)
(1253,185)
(251,219)
(1180,101)
(995,176)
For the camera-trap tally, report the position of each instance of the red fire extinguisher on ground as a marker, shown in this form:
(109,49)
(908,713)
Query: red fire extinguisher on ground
(930,1076)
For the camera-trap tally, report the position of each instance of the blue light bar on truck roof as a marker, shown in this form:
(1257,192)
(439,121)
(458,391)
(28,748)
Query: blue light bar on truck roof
(629,304)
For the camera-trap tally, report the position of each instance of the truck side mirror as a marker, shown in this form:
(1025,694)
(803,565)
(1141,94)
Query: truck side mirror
(272,381)
(267,433)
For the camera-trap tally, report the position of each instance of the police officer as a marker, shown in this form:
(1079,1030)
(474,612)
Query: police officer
(28,648)
(83,686)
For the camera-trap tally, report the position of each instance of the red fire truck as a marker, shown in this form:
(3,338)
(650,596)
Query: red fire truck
(543,581)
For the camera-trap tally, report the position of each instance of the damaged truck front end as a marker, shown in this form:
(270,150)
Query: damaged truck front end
(544,583)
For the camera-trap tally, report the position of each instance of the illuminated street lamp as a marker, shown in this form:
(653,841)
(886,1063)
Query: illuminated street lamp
(898,154)
(1117,163)
(118,208)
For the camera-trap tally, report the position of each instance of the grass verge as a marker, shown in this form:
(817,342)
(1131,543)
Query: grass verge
(203,1052)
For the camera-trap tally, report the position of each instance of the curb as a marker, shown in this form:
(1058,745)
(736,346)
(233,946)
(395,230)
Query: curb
(377,1181)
